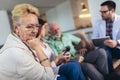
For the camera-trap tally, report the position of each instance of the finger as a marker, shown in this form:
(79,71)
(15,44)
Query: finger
(62,53)
(83,51)
(86,50)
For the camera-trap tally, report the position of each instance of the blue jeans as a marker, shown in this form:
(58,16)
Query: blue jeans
(71,71)
(111,53)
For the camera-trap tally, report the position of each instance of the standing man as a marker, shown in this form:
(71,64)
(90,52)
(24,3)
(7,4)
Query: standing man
(109,26)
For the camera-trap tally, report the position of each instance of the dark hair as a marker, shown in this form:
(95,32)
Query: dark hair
(41,22)
(110,4)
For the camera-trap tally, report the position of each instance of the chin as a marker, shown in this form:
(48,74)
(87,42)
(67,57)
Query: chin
(31,38)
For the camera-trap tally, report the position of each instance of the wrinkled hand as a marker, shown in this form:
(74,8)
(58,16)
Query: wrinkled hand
(62,58)
(67,56)
(34,43)
(82,51)
(110,43)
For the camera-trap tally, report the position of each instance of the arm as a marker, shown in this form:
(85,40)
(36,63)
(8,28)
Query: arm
(75,40)
(41,56)
(27,67)
(51,45)
(35,45)
(95,30)
(57,60)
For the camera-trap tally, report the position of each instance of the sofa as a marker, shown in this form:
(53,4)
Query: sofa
(116,62)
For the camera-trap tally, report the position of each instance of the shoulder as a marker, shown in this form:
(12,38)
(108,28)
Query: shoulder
(14,52)
(13,55)
(18,54)
(66,34)
(100,21)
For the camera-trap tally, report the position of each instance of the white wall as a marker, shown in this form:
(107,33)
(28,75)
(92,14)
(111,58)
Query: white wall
(63,15)
(94,6)
(4,26)
(52,15)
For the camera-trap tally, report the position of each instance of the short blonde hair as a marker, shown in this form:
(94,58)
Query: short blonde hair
(22,10)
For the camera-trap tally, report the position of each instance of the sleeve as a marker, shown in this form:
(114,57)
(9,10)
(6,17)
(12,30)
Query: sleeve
(95,30)
(30,69)
(52,46)
(53,64)
(118,38)
(52,58)
(75,40)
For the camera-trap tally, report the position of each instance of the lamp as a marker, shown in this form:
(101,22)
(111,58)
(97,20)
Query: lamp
(83,7)
(84,15)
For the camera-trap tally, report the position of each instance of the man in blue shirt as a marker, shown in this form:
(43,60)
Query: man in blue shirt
(109,25)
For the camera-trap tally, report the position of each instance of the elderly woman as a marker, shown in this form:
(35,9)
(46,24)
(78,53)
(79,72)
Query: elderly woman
(21,58)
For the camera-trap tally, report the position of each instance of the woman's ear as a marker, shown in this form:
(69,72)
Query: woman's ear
(15,29)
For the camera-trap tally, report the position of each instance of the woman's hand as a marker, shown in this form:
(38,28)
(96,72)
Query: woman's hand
(34,43)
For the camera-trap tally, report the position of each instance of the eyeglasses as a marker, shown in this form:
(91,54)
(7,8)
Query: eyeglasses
(31,26)
(103,12)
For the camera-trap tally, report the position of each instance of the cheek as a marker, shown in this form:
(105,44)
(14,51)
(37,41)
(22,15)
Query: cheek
(43,32)
(24,35)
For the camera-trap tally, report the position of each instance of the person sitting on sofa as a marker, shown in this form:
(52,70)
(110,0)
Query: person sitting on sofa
(19,59)
(58,41)
(109,26)
(65,68)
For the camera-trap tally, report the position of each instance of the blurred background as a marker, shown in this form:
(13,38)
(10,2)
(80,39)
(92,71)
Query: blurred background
(72,15)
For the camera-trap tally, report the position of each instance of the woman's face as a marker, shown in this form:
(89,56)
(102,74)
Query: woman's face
(27,28)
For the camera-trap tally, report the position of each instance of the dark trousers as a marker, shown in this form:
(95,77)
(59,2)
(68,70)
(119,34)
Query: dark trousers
(112,76)
(95,64)
(111,53)
(71,71)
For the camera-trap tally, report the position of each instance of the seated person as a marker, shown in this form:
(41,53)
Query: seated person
(109,26)
(61,64)
(58,41)
(19,59)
